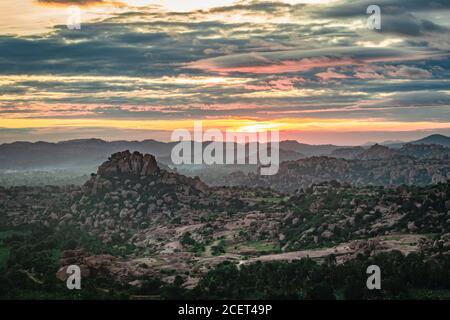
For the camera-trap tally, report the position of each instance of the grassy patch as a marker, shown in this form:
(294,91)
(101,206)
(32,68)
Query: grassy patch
(6,234)
(55,254)
(273,200)
(424,294)
(263,246)
(219,248)
(259,246)
(4,255)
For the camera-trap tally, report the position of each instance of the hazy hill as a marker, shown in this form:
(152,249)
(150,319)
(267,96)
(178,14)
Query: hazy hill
(417,151)
(438,139)
(377,152)
(309,149)
(434,139)
(85,153)
(89,153)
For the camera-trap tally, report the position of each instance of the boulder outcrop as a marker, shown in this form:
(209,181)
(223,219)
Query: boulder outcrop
(129,163)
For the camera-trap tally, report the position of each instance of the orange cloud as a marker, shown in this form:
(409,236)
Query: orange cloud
(81,3)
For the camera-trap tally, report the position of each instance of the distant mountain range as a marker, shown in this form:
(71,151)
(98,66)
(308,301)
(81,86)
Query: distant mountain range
(73,154)
(85,154)
(432,139)
(89,153)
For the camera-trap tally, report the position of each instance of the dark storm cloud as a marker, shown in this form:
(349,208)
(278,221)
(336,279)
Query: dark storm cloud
(418,99)
(113,48)
(410,25)
(102,56)
(352,8)
(397,16)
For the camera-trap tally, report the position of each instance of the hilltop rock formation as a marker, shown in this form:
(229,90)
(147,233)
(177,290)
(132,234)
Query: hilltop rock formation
(129,163)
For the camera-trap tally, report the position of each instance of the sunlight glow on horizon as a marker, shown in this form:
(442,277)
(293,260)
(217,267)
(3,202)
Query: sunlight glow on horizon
(232,124)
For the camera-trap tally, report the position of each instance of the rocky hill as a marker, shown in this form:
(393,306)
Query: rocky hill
(437,139)
(130,191)
(348,153)
(377,152)
(391,171)
(426,151)
(131,200)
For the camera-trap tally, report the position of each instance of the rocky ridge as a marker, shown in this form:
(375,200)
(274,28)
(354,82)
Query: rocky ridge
(294,175)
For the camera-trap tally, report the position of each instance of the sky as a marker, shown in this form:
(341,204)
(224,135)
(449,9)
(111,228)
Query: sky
(139,69)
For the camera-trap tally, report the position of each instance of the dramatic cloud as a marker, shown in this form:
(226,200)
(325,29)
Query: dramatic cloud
(330,74)
(307,64)
(351,8)
(304,60)
(405,72)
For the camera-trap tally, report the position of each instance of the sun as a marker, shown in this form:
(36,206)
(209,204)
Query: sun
(259,127)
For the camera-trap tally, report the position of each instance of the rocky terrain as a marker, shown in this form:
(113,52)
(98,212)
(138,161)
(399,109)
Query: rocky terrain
(160,223)
(378,166)
(331,214)
(131,201)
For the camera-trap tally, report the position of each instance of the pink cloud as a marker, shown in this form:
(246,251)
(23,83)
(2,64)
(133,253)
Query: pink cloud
(407,72)
(368,75)
(330,74)
(380,72)
(277,84)
(273,67)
